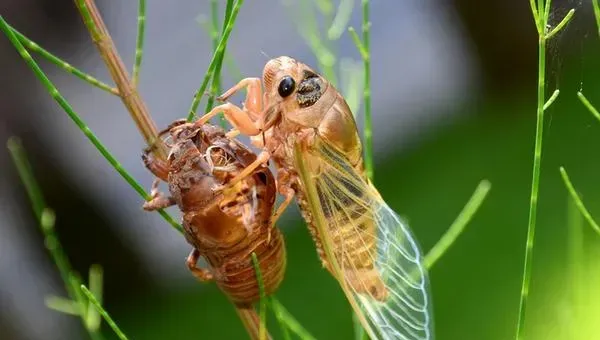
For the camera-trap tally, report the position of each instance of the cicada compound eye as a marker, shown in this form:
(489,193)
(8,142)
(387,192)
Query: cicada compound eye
(287,85)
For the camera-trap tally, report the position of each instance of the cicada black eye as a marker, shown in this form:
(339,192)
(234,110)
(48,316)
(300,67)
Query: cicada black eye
(286,86)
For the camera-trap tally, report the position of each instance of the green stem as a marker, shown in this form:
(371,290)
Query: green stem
(139,45)
(561,24)
(367,94)
(283,323)
(551,100)
(576,265)
(458,225)
(543,9)
(588,105)
(596,6)
(62,102)
(578,201)
(218,55)
(46,220)
(45,216)
(262,331)
(103,312)
(535,183)
(289,320)
(26,174)
(537,157)
(216,80)
(28,43)
(95,280)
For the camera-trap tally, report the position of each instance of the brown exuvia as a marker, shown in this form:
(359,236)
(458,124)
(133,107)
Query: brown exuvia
(224,224)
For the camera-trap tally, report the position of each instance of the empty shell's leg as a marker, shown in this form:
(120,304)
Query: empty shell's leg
(159,200)
(201,274)
(172,125)
(158,167)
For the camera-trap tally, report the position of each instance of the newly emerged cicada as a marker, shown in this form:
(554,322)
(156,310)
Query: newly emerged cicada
(224,223)
(304,124)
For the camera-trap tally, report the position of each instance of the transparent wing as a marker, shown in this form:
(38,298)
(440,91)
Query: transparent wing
(370,250)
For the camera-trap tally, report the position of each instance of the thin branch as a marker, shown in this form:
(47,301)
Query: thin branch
(578,201)
(139,45)
(561,24)
(104,313)
(46,220)
(262,333)
(551,99)
(218,55)
(129,94)
(458,225)
(62,102)
(32,46)
(588,105)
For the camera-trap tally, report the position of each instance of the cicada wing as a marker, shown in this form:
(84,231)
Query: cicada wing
(370,250)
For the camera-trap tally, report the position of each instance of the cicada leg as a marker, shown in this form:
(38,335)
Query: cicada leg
(246,120)
(253,102)
(159,200)
(158,167)
(201,274)
(284,188)
(172,125)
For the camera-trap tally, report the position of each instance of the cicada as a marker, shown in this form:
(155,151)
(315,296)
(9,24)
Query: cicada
(304,125)
(224,224)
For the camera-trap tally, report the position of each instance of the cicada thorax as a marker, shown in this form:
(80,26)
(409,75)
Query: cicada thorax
(228,227)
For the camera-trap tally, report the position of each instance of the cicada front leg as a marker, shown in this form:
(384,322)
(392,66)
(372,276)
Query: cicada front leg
(157,167)
(245,120)
(201,274)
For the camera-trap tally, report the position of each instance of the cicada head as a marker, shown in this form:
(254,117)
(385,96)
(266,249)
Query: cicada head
(295,91)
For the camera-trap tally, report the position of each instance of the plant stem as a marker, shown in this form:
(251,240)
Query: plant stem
(96,277)
(535,182)
(588,105)
(46,220)
(458,225)
(368,134)
(28,43)
(289,320)
(576,264)
(216,79)
(129,94)
(218,55)
(577,200)
(263,300)
(596,6)
(103,312)
(541,15)
(139,45)
(44,215)
(62,102)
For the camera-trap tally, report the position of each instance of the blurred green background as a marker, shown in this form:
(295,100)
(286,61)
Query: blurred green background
(476,284)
